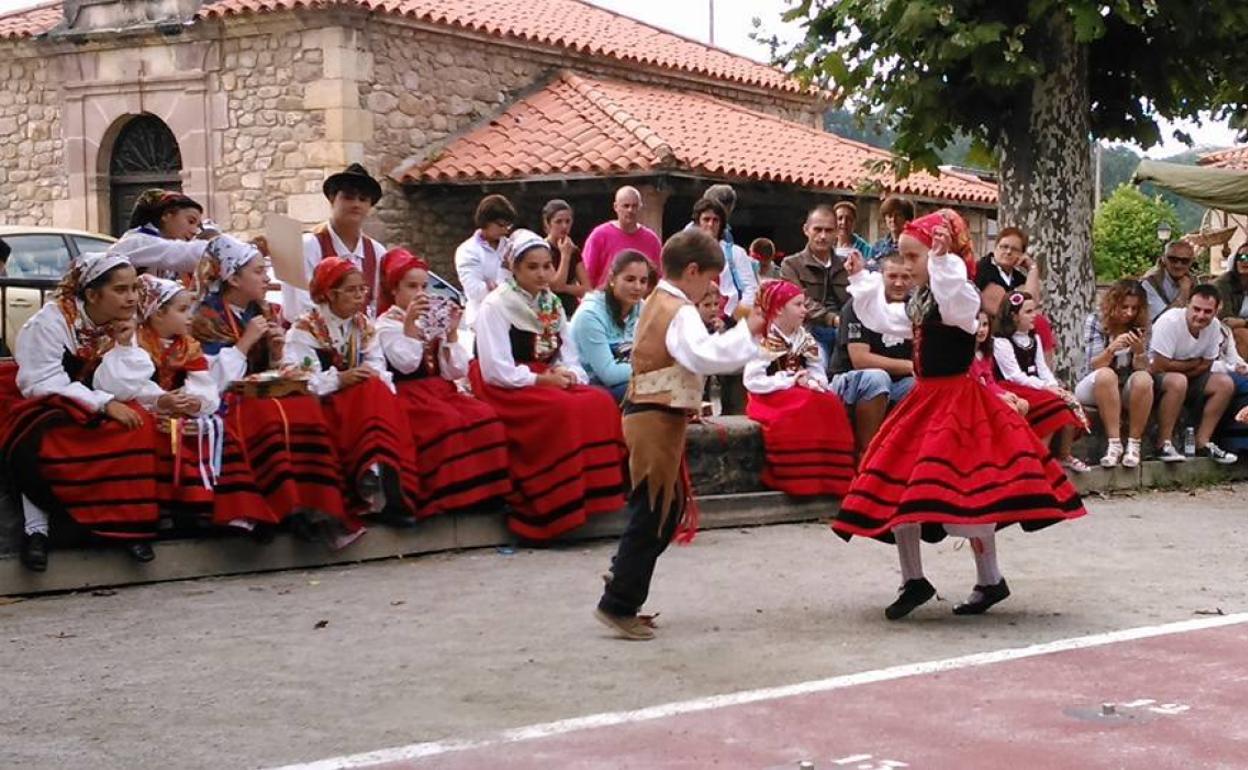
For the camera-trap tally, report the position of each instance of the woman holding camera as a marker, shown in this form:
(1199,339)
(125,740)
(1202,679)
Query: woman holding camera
(1115,346)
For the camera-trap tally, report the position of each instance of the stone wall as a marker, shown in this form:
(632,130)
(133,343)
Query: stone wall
(267,148)
(32,149)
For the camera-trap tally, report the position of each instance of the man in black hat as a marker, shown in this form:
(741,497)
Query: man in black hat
(352,194)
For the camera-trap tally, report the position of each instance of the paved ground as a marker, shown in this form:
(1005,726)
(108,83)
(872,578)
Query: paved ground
(236,673)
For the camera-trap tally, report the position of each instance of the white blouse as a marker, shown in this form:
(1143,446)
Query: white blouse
(481,269)
(302,346)
(957,298)
(698,350)
(39,350)
(757,380)
(1007,362)
(406,354)
(498,364)
(153,252)
(126,371)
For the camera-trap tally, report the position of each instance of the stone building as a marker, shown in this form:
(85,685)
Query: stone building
(246,105)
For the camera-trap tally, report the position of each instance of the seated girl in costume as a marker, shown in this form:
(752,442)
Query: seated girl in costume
(279,464)
(73,451)
(564,438)
(606,322)
(1023,370)
(983,368)
(338,345)
(807,438)
(460,444)
(162,368)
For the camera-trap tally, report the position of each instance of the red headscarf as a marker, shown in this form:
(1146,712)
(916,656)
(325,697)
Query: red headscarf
(773,296)
(395,264)
(960,235)
(328,274)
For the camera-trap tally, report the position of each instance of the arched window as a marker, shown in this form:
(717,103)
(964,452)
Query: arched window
(145,155)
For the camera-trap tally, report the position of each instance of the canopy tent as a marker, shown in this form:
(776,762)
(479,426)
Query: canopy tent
(1217,188)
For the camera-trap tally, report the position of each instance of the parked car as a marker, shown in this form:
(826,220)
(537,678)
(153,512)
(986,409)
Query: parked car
(38,257)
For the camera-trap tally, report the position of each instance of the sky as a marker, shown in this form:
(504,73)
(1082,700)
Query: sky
(733,25)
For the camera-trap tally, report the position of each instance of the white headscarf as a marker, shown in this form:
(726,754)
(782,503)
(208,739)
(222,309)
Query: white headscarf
(227,255)
(92,265)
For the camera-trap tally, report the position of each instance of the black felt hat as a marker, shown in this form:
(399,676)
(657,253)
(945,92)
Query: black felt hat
(354,176)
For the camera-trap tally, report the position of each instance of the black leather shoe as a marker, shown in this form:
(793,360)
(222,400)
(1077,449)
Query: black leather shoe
(393,516)
(913,593)
(35,552)
(988,596)
(141,552)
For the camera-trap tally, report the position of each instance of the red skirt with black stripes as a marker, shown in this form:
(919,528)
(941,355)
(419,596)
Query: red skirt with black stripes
(1047,413)
(370,431)
(461,446)
(807,441)
(566,450)
(278,460)
(75,463)
(954,453)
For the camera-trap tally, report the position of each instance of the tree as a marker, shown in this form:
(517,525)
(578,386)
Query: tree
(1124,237)
(1118,164)
(1032,82)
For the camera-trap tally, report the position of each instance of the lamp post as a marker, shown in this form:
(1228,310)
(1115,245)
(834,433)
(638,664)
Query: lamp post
(1163,232)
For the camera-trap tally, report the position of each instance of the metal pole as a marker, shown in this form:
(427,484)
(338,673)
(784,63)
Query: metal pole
(710,19)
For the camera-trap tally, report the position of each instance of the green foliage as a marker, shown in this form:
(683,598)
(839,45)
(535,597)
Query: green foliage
(1118,164)
(940,70)
(1124,235)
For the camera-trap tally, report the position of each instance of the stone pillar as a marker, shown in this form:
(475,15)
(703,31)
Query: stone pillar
(653,199)
(348,126)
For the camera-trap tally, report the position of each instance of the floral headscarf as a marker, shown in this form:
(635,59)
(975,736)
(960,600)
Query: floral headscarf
(226,255)
(155,293)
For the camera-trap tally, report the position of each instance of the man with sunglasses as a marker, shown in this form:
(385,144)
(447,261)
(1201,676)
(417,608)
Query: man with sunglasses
(1233,287)
(1169,284)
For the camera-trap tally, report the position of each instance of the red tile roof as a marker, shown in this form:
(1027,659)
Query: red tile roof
(1235,158)
(572,25)
(28,22)
(577,126)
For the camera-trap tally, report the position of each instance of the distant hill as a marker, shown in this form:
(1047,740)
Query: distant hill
(1118,162)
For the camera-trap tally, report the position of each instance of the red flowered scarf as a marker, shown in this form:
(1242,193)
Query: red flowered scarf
(91,342)
(181,355)
(360,336)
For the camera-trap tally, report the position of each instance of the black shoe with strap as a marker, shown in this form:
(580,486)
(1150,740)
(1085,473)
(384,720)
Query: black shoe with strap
(35,552)
(913,593)
(141,552)
(988,596)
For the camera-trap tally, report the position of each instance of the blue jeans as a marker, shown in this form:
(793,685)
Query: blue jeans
(860,385)
(899,389)
(826,337)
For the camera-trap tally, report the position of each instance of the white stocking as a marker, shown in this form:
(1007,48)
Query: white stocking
(36,517)
(983,539)
(908,552)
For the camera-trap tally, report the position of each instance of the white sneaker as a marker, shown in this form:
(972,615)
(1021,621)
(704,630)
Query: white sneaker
(1131,459)
(1168,454)
(1072,463)
(1113,455)
(1218,454)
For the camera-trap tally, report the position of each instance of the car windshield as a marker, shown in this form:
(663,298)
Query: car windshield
(37,256)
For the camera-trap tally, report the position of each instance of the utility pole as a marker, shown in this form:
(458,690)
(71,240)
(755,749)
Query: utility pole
(710,20)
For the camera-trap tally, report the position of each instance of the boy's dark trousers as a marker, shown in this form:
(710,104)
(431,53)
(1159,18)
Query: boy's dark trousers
(640,547)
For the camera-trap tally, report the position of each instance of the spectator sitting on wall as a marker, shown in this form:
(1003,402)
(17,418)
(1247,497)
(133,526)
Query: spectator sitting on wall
(571,282)
(896,211)
(862,348)
(1007,269)
(846,214)
(1184,344)
(1169,283)
(1115,349)
(1230,435)
(483,262)
(821,274)
(604,325)
(624,232)
(737,283)
(1233,288)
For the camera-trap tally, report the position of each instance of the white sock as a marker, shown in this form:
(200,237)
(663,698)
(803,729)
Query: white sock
(908,553)
(987,572)
(1133,443)
(1115,442)
(36,517)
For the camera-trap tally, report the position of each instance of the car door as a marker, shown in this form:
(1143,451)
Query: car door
(36,263)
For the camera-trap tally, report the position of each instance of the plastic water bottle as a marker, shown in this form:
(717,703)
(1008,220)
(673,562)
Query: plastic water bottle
(716,398)
(1189,442)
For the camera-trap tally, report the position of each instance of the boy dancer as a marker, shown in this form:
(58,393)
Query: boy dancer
(672,355)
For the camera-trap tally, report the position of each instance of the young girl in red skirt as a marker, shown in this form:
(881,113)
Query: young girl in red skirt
(162,368)
(279,465)
(952,458)
(983,368)
(564,438)
(1022,370)
(807,438)
(73,451)
(337,343)
(461,447)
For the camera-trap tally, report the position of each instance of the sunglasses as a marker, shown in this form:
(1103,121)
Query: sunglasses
(1241,257)
(1179,260)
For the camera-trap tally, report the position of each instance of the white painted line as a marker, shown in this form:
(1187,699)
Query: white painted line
(548,729)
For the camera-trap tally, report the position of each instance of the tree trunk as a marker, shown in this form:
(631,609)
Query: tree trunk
(1047,187)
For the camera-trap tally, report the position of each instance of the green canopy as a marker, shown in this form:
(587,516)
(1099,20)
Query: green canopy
(1217,188)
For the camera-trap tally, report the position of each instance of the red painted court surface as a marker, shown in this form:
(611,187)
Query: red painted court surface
(1176,697)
